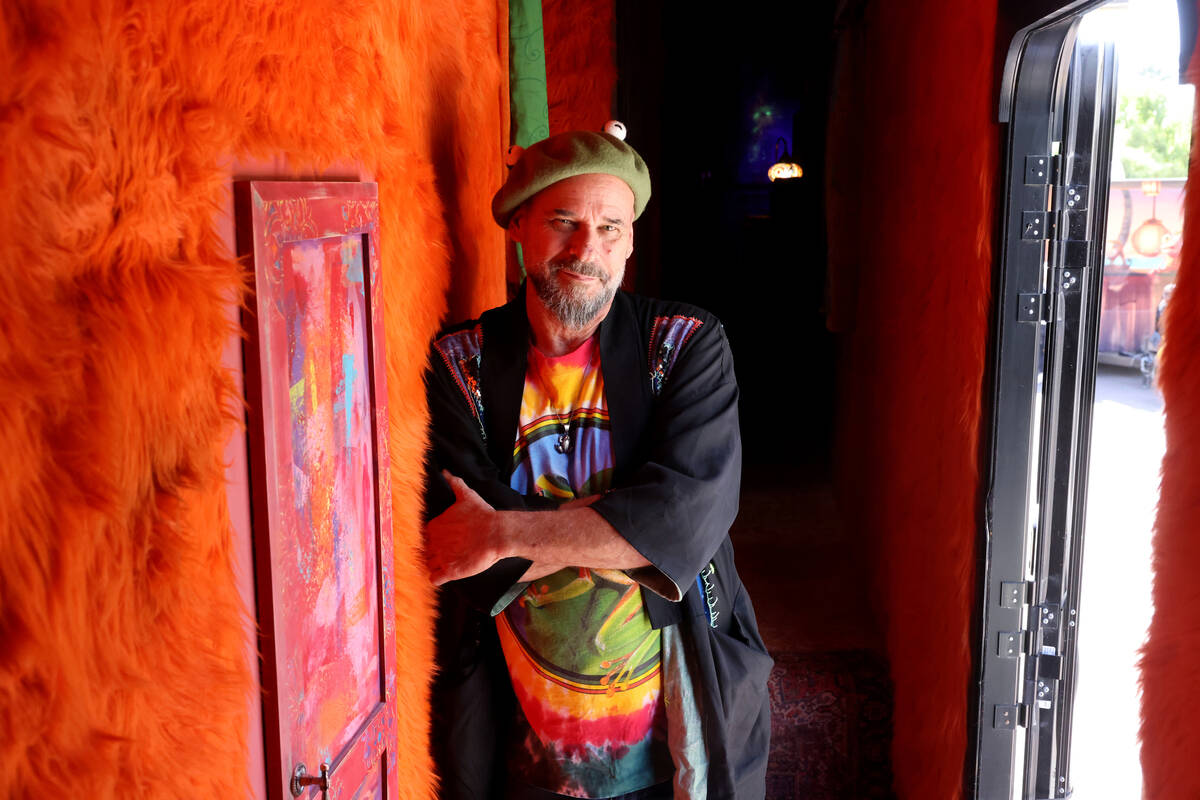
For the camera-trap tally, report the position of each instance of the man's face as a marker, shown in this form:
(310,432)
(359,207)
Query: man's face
(575,236)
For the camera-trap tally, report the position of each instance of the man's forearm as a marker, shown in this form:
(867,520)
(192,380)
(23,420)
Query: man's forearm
(471,536)
(575,537)
(579,537)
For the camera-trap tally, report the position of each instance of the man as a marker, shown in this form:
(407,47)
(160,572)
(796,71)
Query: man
(594,638)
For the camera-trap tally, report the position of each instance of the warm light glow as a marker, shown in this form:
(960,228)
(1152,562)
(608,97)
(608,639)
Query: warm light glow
(1148,238)
(784,170)
(1151,188)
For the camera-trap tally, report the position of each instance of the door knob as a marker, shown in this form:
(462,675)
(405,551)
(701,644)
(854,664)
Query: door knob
(301,780)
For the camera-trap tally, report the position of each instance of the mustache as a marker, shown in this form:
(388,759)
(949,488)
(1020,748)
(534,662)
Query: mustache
(586,268)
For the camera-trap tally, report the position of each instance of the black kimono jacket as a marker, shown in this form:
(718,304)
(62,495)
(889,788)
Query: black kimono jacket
(672,403)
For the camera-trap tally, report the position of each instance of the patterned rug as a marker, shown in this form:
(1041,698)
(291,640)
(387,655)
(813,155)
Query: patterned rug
(831,721)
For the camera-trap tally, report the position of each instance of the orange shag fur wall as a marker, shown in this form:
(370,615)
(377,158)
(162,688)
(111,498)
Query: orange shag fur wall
(581,67)
(121,668)
(912,128)
(1171,656)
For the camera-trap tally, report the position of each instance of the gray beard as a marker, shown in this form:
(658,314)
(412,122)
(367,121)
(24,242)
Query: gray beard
(573,306)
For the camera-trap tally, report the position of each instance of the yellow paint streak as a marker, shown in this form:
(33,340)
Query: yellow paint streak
(296,394)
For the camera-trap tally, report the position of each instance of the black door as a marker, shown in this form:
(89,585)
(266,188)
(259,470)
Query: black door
(1058,105)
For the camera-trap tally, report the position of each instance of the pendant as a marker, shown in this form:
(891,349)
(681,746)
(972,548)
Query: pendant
(564,442)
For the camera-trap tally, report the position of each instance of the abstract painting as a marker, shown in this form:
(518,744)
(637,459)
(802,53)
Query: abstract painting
(319,471)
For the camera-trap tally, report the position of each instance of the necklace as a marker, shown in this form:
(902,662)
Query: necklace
(565,439)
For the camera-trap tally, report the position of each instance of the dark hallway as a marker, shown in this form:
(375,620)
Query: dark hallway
(711,109)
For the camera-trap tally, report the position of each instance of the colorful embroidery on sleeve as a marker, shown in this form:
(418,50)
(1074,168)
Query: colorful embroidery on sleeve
(667,338)
(461,353)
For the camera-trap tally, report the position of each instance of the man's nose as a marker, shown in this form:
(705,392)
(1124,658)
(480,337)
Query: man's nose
(583,242)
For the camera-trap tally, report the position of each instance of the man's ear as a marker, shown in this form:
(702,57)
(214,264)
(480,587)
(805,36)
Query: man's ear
(515,222)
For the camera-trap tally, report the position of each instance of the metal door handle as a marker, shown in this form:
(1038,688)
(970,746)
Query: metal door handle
(301,780)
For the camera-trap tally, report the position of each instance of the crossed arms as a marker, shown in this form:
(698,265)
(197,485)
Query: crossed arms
(471,536)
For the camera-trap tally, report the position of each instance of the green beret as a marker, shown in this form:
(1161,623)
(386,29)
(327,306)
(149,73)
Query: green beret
(565,156)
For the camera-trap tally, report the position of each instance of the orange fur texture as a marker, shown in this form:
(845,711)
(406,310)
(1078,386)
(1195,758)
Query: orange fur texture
(581,67)
(911,128)
(1170,661)
(121,637)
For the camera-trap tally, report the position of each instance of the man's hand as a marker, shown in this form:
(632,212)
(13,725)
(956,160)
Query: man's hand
(461,541)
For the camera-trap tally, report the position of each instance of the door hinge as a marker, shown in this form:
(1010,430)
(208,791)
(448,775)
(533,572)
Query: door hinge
(1050,615)
(1007,718)
(1041,170)
(1075,196)
(1031,307)
(1013,644)
(1033,226)
(1014,594)
(1049,666)
(1045,689)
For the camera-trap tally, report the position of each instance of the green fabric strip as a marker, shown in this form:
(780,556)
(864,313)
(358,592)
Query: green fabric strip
(530,109)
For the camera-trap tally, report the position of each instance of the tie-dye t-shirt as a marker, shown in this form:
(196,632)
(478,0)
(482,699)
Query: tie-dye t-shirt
(585,663)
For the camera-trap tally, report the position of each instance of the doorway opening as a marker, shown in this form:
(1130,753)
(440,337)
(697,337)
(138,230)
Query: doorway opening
(1142,240)
(1097,144)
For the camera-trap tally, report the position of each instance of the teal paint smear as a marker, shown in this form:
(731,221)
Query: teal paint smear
(348,375)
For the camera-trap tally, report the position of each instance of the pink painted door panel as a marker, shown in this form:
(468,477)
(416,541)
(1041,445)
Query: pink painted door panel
(319,470)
